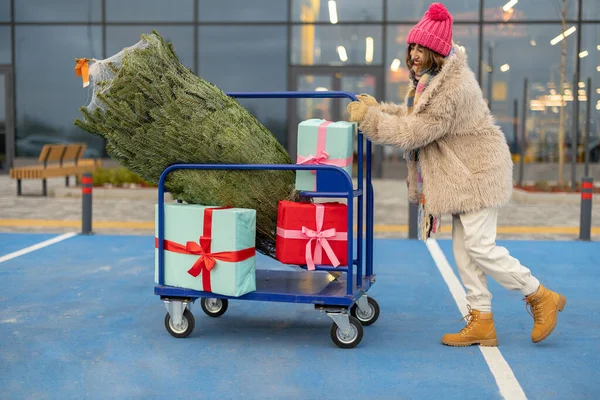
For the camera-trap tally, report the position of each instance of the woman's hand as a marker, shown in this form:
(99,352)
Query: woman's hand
(368,100)
(357,110)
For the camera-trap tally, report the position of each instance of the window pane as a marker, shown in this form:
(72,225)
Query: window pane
(58,10)
(507,79)
(4,10)
(337,45)
(590,68)
(528,10)
(410,10)
(5,50)
(242,10)
(397,79)
(182,38)
(591,10)
(149,10)
(48,98)
(229,58)
(337,11)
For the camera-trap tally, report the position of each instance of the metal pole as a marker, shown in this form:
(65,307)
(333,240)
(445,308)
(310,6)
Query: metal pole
(576,99)
(490,74)
(86,203)
(585,219)
(575,133)
(516,136)
(413,216)
(523,144)
(586,138)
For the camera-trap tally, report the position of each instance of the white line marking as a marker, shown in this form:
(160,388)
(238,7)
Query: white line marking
(37,246)
(505,378)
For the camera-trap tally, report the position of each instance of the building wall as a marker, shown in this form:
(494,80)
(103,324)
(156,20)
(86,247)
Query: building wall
(270,45)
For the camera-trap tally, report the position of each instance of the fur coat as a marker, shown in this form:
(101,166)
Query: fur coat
(465,160)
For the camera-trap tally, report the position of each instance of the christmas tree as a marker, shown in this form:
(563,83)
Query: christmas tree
(154,112)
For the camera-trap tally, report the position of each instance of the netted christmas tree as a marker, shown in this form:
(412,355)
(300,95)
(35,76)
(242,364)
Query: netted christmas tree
(154,112)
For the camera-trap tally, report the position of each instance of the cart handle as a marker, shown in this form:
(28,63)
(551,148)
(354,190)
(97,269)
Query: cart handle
(294,95)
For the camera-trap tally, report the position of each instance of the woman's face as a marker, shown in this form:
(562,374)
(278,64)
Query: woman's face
(417,56)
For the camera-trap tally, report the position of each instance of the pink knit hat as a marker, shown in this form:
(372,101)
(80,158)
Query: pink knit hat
(434,30)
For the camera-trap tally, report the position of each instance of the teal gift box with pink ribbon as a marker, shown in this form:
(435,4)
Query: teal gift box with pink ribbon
(324,142)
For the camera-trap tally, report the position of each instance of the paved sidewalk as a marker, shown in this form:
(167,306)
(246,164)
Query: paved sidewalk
(391,213)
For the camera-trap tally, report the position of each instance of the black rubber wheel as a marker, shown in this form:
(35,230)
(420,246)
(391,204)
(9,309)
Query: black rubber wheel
(214,307)
(187,325)
(350,341)
(370,316)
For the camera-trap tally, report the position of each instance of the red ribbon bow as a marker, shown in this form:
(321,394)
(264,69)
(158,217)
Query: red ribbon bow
(207,260)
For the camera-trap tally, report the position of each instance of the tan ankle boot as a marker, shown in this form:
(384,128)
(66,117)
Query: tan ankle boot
(479,330)
(544,306)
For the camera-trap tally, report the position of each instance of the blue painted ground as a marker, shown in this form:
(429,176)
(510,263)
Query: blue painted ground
(79,319)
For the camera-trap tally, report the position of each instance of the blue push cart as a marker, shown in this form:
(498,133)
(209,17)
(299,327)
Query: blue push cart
(341,292)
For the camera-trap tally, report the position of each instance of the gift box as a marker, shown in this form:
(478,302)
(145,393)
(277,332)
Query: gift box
(209,249)
(324,142)
(312,234)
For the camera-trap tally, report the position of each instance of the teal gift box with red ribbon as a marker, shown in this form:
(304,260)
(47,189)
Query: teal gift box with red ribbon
(324,142)
(210,249)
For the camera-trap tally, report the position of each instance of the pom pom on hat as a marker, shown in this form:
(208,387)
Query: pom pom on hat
(438,12)
(434,30)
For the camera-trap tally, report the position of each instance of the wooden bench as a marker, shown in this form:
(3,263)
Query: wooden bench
(56,160)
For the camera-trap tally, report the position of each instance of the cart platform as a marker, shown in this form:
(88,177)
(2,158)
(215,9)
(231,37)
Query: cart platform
(310,287)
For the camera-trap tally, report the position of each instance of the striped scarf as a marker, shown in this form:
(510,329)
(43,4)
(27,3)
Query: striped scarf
(428,224)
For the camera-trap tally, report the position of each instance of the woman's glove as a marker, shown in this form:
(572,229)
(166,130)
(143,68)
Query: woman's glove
(368,100)
(357,110)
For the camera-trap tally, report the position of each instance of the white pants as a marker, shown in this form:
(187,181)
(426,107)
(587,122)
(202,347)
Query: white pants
(476,255)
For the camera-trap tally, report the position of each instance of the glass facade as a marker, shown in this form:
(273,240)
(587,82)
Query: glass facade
(272,45)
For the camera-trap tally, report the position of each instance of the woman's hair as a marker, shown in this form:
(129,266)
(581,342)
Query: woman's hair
(430,58)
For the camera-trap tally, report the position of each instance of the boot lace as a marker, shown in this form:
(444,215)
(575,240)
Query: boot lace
(471,319)
(535,309)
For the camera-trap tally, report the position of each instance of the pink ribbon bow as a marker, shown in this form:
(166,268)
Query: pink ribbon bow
(322,156)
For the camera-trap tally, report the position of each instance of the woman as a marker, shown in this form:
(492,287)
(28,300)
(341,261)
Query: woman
(459,164)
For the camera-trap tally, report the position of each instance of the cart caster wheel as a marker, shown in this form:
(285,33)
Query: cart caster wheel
(369,316)
(352,338)
(187,325)
(214,307)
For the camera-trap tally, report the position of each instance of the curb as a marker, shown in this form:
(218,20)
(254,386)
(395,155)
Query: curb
(523,197)
(117,193)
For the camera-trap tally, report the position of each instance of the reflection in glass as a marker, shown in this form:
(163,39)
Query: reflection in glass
(5,50)
(229,57)
(337,45)
(2,120)
(314,108)
(48,99)
(4,10)
(533,45)
(507,10)
(149,10)
(410,10)
(182,38)
(58,11)
(336,11)
(591,9)
(590,68)
(242,10)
